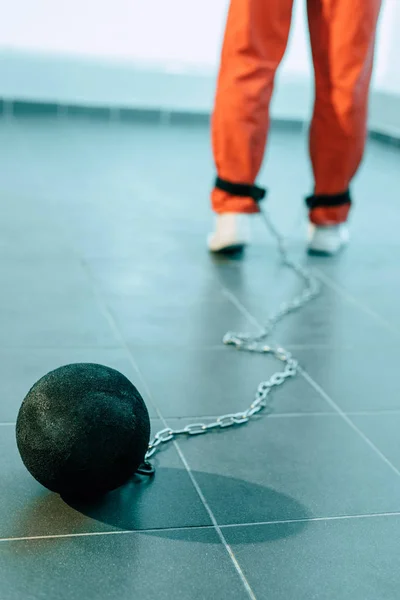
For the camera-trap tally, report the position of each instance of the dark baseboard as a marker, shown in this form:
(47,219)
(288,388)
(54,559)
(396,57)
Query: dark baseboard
(22,108)
(385,138)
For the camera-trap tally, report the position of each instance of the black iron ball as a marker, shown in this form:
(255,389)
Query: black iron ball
(83,430)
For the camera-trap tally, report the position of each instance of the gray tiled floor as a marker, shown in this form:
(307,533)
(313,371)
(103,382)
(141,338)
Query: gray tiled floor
(102,259)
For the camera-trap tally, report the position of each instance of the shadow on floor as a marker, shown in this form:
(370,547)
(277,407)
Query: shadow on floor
(132,508)
(127,508)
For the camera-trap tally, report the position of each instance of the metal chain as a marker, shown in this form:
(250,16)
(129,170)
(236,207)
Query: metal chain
(253,343)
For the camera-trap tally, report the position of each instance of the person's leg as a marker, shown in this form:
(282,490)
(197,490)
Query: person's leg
(255,40)
(342,34)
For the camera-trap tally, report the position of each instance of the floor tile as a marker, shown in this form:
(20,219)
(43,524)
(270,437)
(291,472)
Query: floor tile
(357,379)
(193,381)
(329,320)
(293,468)
(120,567)
(352,559)
(150,278)
(355,276)
(27,509)
(37,280)
(20,368)
(65,326)
(102,243)
(50,303)
(171,325)
(29,230)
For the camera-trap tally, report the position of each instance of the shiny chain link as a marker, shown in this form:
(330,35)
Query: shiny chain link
(253,343)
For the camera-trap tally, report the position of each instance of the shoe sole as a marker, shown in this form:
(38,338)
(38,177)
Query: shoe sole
(230,250)
(313,252)
(325,253)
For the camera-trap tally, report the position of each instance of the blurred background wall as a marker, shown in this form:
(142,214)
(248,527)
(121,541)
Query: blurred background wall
(153,54)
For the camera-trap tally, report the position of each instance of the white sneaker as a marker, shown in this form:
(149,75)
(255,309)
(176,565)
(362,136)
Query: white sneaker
(327,241)
(231,234)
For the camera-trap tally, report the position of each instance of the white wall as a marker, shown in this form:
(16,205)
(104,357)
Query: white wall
(387,72)
(164,32)
(58,50)
(153,31)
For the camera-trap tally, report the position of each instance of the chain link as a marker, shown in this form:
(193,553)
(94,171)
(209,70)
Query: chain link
(249,343)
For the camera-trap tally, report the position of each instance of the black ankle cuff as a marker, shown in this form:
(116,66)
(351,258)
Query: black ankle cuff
(240,189)
(316,201)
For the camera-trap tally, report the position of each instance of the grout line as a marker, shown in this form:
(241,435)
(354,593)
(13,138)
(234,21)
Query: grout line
(299,415)
(241,308)
(333,404)
(372,413)
(35,348)
(118,335)
(353,300)
(216,526)
(265,415)
(253,320)
(108,314)
(173,348)
(315,520)
(101,533)
(293,415)
(320,347)
(156,530)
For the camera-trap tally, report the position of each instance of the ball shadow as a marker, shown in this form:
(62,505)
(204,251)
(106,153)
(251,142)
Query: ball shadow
(160,506)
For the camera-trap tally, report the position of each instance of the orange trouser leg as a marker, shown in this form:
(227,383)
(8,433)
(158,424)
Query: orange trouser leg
(255,40)
(342,36)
